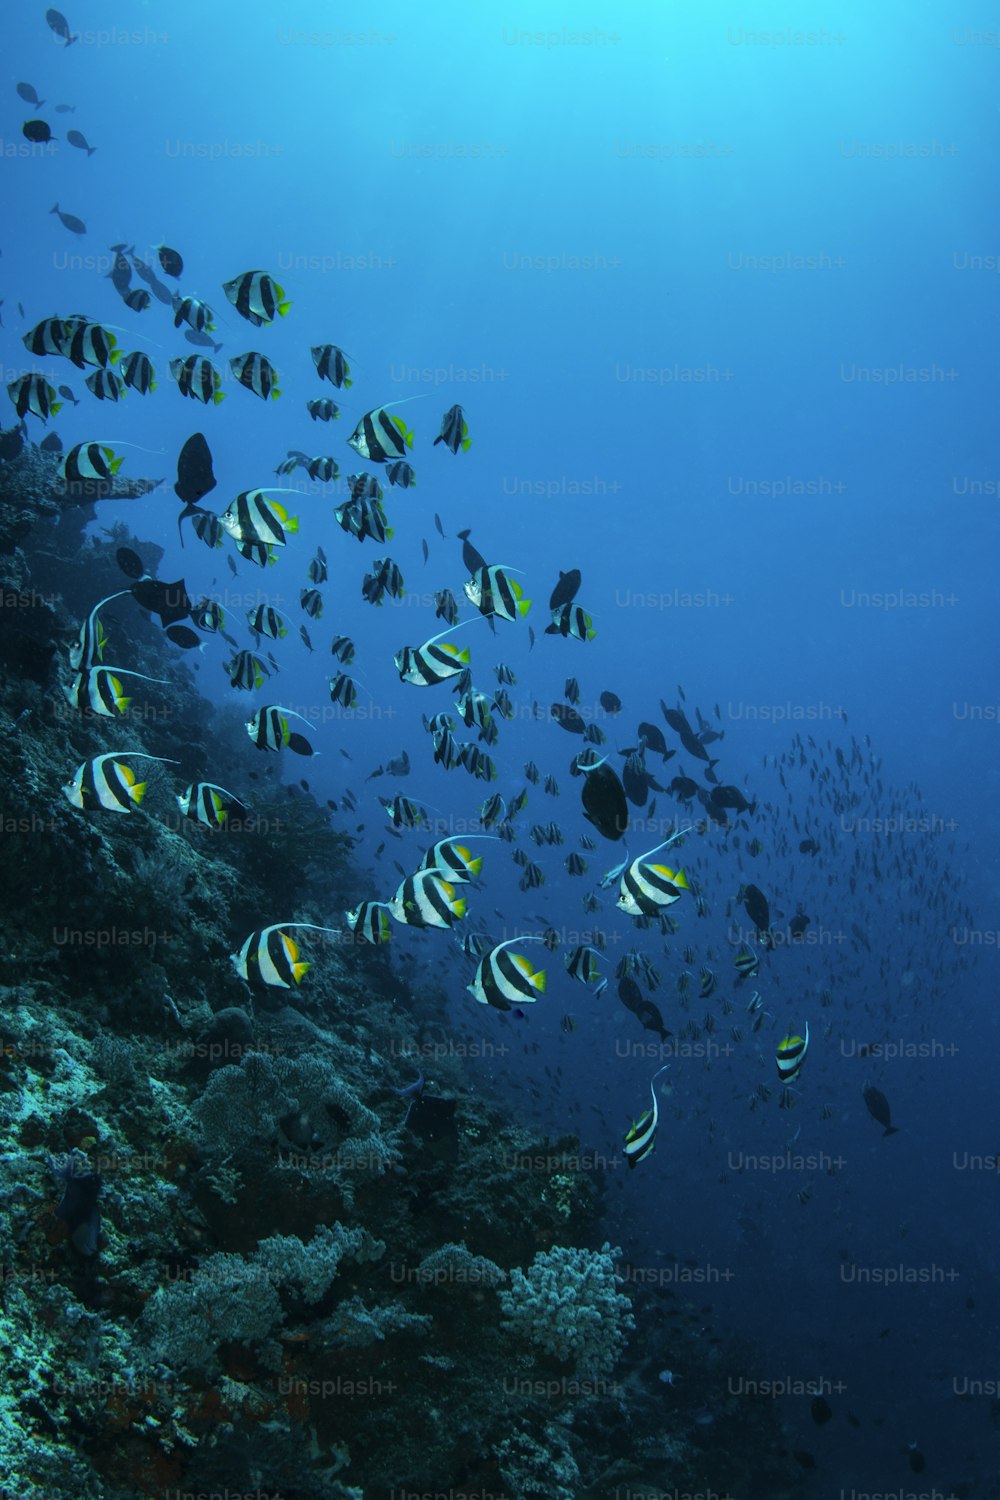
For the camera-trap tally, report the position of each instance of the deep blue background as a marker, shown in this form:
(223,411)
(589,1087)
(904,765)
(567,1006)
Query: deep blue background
(424,196)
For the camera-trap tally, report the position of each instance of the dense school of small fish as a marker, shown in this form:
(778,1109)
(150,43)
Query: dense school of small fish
(796,849)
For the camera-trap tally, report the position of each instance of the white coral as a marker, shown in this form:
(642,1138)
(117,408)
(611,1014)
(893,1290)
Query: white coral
(569,1305)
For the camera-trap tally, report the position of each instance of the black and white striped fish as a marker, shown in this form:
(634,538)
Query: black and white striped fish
(246,671)
(640,1138)
(89,461)
(269,959)
(105,385)
(343,691)
(86,343)
(137,373)
(107,782)
(454,431)
(323,468)
(252,517)
(91,641)
(433,662)
(257,297)
(790,1056)
(269,729)
(331,364)
(380,437)
(204,802)
(198,378)
(256,372)
(98,690)
(265,620)
(647,888)
(370,921)
(197,315)
(32,393)
(570,619)
(426,899)
(453,860)
(323,410)
(494,593)
(504,978)
(311,601)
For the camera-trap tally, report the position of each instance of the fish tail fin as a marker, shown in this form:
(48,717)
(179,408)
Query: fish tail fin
(137,791)
(466,444)
(299,969)
(523,606)
(275,394)
(539,980)
(56,406)
(284,308)
(219,396)
(348,381)
(464,656)
(459,906)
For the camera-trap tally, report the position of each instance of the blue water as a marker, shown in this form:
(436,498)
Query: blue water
(565,236)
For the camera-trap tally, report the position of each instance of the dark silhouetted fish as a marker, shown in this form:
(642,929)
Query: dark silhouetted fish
(471,557)
(879,1108)
(567,717)
(604,804)
(566,589)
(58,23)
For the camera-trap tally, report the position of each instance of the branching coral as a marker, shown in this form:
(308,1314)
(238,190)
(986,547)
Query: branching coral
(569,1305)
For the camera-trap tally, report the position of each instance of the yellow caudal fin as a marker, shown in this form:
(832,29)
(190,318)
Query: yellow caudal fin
(523,606)
(459,906)
(475,865)
(298,970)
(137,791)
(539,980)
(464,656)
